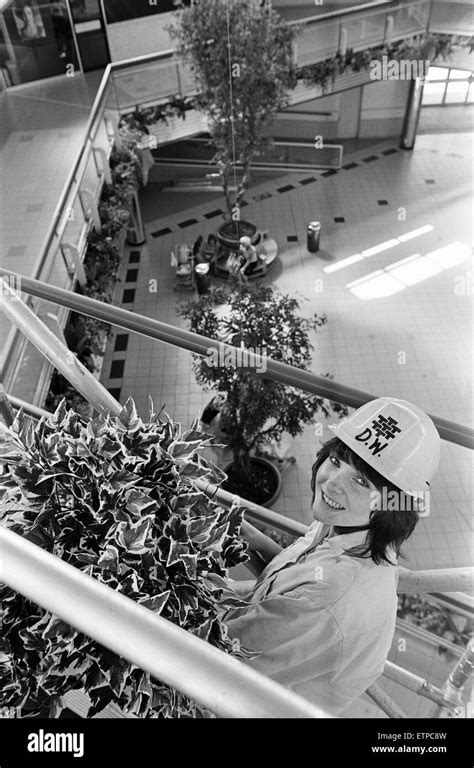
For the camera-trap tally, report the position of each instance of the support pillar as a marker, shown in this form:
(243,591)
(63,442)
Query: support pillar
(412,114)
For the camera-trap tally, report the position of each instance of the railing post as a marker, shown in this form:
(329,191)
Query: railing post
(90,209)
(50,346)
(70,250)
(453,687)
(6,411)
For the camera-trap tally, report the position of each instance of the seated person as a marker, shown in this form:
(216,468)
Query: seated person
(250,256)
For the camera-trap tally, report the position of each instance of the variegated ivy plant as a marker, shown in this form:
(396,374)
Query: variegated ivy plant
(114,497)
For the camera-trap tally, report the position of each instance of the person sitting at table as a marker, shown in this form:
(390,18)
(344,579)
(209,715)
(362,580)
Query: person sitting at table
(250,256)
(197,245)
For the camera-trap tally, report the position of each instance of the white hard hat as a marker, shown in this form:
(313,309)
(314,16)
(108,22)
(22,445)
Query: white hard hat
(244,240)
(395,438)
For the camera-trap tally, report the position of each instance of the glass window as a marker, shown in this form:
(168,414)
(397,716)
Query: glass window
(459,74)
(37,41)
(123,10)
(437,73)
(433,93)
(456,92)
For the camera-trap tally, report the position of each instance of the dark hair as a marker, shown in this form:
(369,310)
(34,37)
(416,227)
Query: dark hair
(388,529)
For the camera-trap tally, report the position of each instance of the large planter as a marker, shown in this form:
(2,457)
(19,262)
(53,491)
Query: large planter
(269,482)
(229,233)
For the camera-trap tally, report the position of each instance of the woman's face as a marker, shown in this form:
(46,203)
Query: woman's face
(342,495)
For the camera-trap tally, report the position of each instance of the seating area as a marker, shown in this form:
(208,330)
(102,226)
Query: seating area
(222,261)
(267,250)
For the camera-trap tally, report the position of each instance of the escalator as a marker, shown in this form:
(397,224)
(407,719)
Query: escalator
(188,163)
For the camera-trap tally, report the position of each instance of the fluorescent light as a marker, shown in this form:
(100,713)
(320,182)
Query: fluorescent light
(415,270)
(378,286)
(380,247)
(343,263)
(364,279)
(416,233)
(450,255)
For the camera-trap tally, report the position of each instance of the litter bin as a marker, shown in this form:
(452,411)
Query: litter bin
(314,233)
(202,278)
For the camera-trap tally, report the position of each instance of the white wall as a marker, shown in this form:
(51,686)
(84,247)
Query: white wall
(383,108)
(138,37)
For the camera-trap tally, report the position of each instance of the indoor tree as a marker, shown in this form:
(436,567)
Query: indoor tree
(257,410)
(241,58)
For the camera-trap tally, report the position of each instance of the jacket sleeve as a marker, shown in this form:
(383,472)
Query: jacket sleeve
(297,639)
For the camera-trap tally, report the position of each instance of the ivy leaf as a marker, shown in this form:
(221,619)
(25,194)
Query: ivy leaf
(133,537)
(109,558)
(156,603)
(139,503)
(128,416)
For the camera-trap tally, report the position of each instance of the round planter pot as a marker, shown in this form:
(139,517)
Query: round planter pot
(229,233)
(270,485)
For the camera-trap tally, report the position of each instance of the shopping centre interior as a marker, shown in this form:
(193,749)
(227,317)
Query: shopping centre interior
(392,273)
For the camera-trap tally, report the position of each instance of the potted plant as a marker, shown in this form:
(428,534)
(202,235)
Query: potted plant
(114,497)
(256,410)
(241,58)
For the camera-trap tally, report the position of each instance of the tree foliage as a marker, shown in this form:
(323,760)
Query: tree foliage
(257,410)
(241,58)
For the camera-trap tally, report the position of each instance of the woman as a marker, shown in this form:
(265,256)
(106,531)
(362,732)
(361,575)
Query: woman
(322,612)
(250,256)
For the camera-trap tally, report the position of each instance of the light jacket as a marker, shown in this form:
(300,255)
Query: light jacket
(322,620)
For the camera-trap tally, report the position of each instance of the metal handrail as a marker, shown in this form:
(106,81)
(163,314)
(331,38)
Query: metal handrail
(85,383)
(169,653)
(201,345)
(55,351)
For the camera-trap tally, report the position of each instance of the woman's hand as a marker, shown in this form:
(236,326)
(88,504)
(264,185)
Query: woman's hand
(258,542)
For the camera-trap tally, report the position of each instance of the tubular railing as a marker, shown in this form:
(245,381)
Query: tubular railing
(201,345)
(443,580)
(170,654)
(163,75)
(61,595)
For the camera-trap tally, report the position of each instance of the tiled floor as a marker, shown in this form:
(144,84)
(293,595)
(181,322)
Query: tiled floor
(415,344)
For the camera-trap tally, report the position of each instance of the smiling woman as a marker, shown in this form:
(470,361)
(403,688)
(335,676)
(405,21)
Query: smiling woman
(322,612)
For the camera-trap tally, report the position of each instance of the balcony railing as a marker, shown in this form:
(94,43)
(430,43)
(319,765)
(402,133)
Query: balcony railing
(131,631)
(156,78)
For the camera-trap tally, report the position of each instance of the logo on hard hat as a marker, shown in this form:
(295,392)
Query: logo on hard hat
(385,427)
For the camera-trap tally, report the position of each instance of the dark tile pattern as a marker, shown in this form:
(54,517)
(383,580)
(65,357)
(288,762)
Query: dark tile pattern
(286,188)
(382,202)
(134,257)
(131,276)
(161,232)
(116,369)
(292,238)
(121,342)
(430,181)
(128,296)
(331,172)
(390,151)
(339,219)
(308,180)
(369,159)
(116,392)
(211,214)
(187,223)
(349,166)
